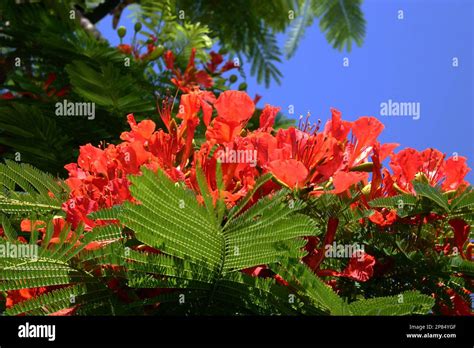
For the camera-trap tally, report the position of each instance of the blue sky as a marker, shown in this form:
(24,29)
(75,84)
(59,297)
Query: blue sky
(408,60)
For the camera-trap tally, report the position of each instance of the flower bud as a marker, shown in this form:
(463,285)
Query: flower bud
(242,86)
(366,189)
(364,167)
(121,31)
(138,26)
(233,78)
(160,50)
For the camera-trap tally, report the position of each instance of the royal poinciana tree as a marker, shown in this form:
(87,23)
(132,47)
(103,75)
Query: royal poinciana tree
(199,202)
(246,222)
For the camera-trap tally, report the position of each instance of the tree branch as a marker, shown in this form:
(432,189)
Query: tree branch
(102,10)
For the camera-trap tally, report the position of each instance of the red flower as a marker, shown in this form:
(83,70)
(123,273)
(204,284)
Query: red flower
(316,151)
(92,159)
(124,48)
(234,106)
(384,218)
(458,305)
(216,60)
(381,183)
(27,225)
(51,91)
(344,180)
(461,233)
(222,131)
(140,132)
(428,165)
(168,56)
(290,173)
(336,127)
(238,178)
(298,158)
(77,210)
(365,130)
(315,257)
(16,296)
(267,117)
(234,109)
(191,79)
(359,269)
(456,170)
(7,96)
(193,102)
(59,224)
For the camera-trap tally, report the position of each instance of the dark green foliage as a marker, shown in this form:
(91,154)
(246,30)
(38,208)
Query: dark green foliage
(25,190)
(341,20)
(48,42)
(203,250)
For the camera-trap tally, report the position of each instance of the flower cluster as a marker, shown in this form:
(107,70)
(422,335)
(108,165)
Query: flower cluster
(189,79)
(153,50)
(193,78)
(343,158)
(298,158)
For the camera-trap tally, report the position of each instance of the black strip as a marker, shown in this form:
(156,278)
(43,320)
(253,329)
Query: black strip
(289,331)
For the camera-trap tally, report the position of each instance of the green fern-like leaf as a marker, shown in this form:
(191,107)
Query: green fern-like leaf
(308,285)
(463,266)
(263,55)
(393,202)
(108,88)
(406,303)
(57,300)
(25,190)
(200,253)
(432,193)
(465,200)
(297,29)
(302,279)
(342,21)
